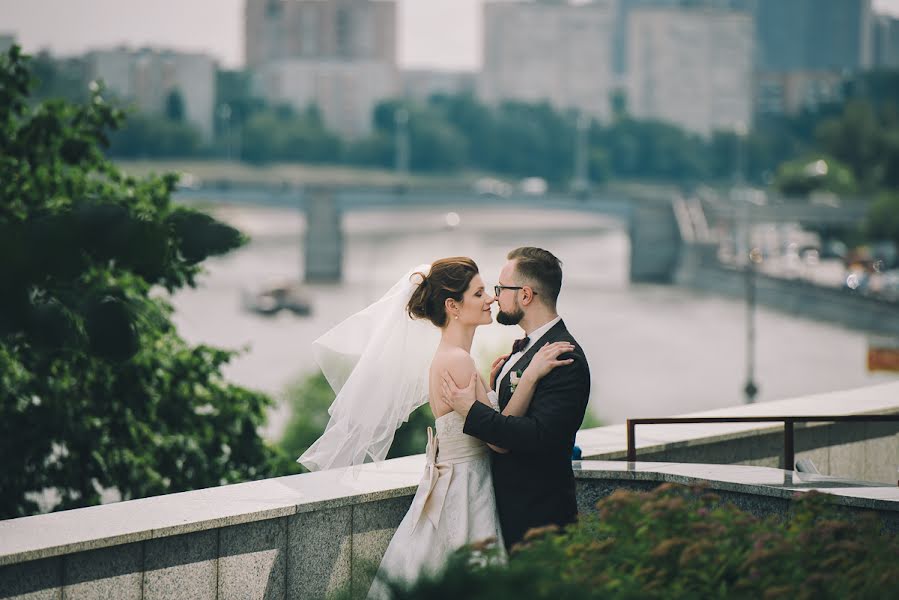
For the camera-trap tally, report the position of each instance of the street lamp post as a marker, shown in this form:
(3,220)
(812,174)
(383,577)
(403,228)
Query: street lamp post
(751,388)
(581,174)
(752,257)
(401,150)
(225,114)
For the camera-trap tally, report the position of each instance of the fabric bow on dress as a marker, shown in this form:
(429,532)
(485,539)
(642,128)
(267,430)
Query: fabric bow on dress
(436,482)
(431,496)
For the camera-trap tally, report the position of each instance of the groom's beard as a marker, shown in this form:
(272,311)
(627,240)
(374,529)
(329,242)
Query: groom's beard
(510,318)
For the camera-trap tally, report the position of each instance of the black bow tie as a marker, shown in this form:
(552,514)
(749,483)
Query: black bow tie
(520,345)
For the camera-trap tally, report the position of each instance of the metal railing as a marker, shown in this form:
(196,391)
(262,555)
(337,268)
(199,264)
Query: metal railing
(789,453)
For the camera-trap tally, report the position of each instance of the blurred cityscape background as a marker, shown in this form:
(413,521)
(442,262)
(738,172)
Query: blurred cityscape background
(530,112)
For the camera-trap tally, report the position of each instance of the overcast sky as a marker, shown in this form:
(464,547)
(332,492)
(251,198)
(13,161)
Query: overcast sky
(433,33)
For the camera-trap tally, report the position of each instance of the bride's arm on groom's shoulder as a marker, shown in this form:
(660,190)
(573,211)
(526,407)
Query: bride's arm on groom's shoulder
(551,423)
(545,360)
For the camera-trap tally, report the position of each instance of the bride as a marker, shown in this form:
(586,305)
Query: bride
(386,361)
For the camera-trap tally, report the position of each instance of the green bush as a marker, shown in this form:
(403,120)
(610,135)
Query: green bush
(680,542)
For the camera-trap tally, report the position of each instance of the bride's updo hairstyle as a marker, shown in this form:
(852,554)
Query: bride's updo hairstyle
(449,278)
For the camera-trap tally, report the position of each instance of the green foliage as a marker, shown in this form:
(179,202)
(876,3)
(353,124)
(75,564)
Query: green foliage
(97,390)
(815,173)
(678,542)
(146,135)
(854,138)
(882,222)
(281,135)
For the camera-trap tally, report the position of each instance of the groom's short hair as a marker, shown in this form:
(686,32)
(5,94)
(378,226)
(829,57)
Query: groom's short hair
(541,270)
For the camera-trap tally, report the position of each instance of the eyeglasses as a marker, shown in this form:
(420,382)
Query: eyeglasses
(499,288)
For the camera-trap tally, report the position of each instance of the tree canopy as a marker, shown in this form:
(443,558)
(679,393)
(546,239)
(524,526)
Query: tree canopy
(97,390)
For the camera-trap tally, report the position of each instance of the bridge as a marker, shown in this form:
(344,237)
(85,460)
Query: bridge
(654,218)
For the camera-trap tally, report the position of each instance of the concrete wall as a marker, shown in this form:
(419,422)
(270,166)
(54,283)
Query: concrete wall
(306,555)
(334,550)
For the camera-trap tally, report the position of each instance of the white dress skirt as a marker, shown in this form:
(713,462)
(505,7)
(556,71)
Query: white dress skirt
(453,506)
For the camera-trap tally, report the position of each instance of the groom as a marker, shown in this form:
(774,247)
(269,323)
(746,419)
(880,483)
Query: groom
(533,482)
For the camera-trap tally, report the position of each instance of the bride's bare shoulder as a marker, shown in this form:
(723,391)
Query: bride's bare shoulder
(455,360)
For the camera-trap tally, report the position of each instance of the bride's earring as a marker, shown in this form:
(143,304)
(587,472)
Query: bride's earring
(456,317)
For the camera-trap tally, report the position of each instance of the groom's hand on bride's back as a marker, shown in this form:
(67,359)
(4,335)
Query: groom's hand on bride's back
(459,399)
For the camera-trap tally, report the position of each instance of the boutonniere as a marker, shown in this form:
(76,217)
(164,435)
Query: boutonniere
(514,378)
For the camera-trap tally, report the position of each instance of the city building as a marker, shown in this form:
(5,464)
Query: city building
(791,92)
(320,29)
(691,67)
(346,92)
(813,35)
(337,54)
(148,77)
(626,6)
(805,49)
(550,50)
(885,40)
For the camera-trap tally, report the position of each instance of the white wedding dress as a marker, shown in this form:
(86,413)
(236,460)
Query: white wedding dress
(377,361)
(453,506)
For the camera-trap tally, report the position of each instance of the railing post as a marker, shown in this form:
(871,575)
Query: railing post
(631,444)
(789,457)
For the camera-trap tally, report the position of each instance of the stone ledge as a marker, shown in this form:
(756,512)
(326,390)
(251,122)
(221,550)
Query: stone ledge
(66,532)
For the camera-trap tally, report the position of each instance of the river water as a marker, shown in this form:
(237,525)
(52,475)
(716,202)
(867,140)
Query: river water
(653,350)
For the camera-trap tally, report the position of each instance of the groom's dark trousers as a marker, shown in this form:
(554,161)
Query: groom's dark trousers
(533,482)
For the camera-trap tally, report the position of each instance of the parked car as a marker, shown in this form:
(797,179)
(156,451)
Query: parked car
(533,186)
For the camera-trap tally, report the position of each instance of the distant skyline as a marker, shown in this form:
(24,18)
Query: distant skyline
(437,34)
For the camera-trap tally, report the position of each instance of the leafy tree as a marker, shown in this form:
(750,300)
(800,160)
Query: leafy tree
(144,136)
(97,390)
(882,221)
(282,135)
(855,139)
(803,176)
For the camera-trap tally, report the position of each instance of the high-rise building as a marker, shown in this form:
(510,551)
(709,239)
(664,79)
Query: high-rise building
(551,50)
(813,35)
(626,6)
(320,29)
(337,54)
(806,49)
(886,42)
(148,77)
(691,67)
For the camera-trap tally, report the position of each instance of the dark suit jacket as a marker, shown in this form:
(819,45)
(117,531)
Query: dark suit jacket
(534,483)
